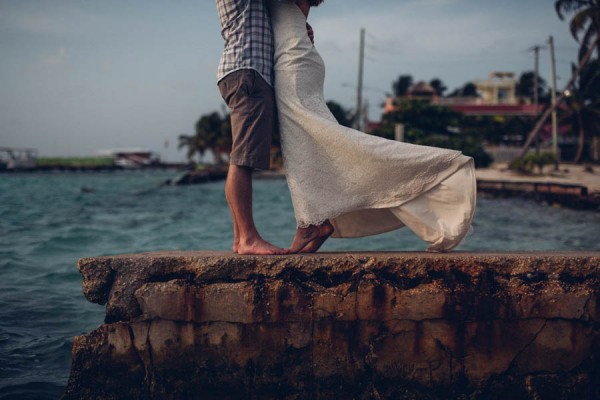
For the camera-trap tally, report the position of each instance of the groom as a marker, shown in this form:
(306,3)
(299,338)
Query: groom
(245,80)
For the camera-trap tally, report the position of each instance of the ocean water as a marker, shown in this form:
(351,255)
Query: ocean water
(48,221)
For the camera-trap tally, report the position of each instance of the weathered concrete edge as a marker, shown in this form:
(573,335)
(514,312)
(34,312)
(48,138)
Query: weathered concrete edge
(119,277)
(578,264)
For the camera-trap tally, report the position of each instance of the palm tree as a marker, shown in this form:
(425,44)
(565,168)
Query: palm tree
(587,21)
(585,24)
(210,133)
(193,146)
(224,141)
(583,105)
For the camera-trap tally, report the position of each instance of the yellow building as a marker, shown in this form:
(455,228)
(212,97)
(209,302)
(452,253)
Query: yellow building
(500,88)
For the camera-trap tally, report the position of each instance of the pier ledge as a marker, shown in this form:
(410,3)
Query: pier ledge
(216,325)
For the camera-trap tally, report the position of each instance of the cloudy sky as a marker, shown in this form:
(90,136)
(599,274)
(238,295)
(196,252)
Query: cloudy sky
(79,76)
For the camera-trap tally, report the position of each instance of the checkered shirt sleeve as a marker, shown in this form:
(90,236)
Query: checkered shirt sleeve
(246,29)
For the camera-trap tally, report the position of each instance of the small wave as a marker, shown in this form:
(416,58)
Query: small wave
(31,391)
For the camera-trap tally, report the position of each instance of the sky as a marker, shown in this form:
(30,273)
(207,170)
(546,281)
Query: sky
(80,76)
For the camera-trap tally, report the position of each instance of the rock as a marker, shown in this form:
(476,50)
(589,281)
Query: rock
(353,325)
(210,174)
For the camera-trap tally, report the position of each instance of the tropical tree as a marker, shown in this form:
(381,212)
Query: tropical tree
(585,28)
(438,86)
(192,146)
(585,23)
(432,125)
(343,116)
(583,106)
(468,90)
(210,132)
(402,84)
(526,86)
(224,142)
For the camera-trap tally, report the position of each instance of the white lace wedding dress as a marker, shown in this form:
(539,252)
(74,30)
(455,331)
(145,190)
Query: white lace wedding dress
(362,184)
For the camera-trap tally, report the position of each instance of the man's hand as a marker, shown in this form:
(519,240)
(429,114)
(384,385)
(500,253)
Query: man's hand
(311,33)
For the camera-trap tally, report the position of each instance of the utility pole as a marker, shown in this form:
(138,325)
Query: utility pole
(554,119)
(536,51)
(359,87)
(365,115)
(546,114)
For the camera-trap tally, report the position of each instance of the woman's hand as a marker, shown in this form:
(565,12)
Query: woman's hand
(311,33)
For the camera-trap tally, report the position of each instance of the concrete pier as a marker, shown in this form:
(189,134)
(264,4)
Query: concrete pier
(341,326)
(574,186)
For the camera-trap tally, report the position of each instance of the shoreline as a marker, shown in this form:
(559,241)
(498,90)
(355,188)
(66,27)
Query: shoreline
(91,168)
(572,186)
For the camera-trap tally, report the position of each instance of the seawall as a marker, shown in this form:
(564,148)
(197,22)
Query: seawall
(345,326)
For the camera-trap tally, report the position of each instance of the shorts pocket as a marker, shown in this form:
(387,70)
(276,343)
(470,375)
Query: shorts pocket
(248,82)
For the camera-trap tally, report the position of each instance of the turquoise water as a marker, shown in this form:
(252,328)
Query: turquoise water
(47,223)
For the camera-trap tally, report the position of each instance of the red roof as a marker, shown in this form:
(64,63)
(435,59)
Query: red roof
(496,109)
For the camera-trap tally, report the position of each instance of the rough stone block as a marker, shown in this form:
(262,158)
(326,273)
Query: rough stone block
(344,326)
(335,303)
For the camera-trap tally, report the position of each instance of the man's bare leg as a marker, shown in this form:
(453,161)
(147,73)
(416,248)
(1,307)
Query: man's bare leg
(236,231)
(238,191)
(310,239)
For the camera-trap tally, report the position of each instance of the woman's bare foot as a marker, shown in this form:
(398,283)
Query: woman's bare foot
(303,237)
(306,236)
(325,231)
(259,247)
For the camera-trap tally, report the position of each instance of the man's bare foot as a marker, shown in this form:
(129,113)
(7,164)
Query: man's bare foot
(325,231)
(236,245)
(259,247)
(310,239)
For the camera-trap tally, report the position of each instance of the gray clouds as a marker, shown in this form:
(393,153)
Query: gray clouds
(80,76)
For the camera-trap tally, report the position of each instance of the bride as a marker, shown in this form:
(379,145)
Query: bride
(345,183)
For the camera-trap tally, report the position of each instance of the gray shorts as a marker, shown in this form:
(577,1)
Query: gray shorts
(252,103)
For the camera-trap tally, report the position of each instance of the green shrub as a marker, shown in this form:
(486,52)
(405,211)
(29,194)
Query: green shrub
(528,163)
(74,162)
(430,125)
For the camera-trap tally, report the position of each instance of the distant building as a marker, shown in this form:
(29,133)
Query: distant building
(17,158)
(500,88)
(421,91)
(132,158)
(495,96)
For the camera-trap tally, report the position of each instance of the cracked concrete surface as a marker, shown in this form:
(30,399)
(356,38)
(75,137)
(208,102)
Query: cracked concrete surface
(348,325)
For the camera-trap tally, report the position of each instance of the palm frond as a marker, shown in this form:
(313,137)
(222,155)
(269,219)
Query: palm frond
(563,7)
(579,23)
(183,140)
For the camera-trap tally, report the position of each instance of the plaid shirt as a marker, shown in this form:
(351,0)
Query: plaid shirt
(246,28)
